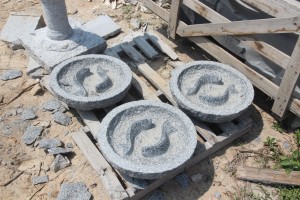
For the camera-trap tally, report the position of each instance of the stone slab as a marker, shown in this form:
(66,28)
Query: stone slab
(18,24)
(74,191)
(103,26)
(49,53)
(39,180)
(60,162)
(11,74)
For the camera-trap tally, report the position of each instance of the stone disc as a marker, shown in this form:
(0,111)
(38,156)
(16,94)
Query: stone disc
(146,139)
(211,91)
(91,81)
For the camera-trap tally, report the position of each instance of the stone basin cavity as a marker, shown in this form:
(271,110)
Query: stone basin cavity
(146,139)
(211,91)
(91,81)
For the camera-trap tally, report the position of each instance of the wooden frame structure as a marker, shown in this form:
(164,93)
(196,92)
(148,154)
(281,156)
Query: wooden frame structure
(287,20)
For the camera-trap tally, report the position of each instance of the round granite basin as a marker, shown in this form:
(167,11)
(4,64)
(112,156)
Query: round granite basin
(91,81)
(211,91)
(146,139)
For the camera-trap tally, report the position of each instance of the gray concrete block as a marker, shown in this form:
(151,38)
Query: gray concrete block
(147,140)
(211,91)
(60,162)
(74,191)
(18,24)
(11,74)
(39,180)
(103,26)
(49,143)
(102,82)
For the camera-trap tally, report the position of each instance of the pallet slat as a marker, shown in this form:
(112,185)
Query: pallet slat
(267,176)
(98,162)
(132,52)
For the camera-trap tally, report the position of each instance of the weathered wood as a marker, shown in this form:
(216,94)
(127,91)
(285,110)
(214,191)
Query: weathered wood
(262,48)
(245,27)
(156,80)
(101,166)
(288,83)
(274,8)
(267,175)
(142,88)
(173,19)
(222,55)
(147,49)
(132,52)
(161,45)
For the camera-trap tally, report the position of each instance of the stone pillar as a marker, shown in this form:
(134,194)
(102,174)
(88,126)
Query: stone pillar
(55,15)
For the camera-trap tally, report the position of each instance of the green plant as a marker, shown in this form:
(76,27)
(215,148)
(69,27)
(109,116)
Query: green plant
(292,162)
(277,126)
(289,193)
(270,142)
(127,9)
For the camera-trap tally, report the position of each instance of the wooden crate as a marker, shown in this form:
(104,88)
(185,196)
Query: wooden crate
(209,141)
(287,20)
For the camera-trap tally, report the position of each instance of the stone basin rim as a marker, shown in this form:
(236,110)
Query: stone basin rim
(151,170)
(61,93)
(183,100)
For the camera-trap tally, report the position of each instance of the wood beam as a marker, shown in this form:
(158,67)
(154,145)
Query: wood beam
(173,19)
(246,27)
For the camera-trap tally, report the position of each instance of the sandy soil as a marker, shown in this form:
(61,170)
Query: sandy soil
(218,180)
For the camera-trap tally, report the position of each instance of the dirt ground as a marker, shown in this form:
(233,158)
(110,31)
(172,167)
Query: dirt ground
(218,180)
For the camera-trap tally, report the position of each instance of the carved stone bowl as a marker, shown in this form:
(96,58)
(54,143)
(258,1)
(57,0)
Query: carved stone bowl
(91,81)
(211,91)
(146,139)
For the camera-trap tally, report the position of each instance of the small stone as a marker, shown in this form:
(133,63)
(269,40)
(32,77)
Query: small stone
(59,150)
(156,195)
(39,180)
(69,145)
(286,145)
(135,23)
(197,178)
(62,118)
(74,191)
(60,162)
(6,130)
(217,195)
(52,105)
(49,143)
(11,74)
(183,180)
(31,134)
(28,114)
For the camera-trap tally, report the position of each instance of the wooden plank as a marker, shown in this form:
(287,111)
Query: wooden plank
(132,52)
(161,45)
(268,176)
(222,55)
(148,50)
(228,128)
(274,8)
(142,88)
(102,167)
(245,27)
(173,19)
(263,48)
(90,119)
(156,80)
(288,83)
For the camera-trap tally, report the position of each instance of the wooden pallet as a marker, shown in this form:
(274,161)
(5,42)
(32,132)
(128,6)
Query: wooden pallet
(286,13)
(209,141)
